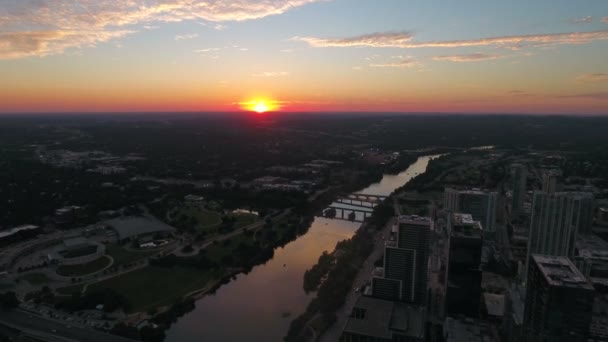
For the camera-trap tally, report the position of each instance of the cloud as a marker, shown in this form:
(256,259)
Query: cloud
(271,74)
(42,43)
(207,50)
(186,36)
(405,40)
(45,27)
(473,57)
(592,78)
(605,19)
(404,63)
(592,96)
(584,20)
(379,39)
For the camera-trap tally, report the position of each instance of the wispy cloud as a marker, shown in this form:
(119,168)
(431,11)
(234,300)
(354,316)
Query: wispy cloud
(379,39)
(271,74)
(186,36)
(605,19)
(472,57)
(403,63)
(592,78)
(584,20)
(207,50)
(405,40)
(41,43)
(45,27)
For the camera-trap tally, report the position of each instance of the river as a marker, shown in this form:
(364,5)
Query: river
(260,305)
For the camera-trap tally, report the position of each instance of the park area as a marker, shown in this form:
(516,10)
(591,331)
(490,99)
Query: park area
(84,269)
(207,221)
(153,287)
(123,256)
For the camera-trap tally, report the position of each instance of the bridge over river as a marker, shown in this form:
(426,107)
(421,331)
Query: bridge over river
(360,204)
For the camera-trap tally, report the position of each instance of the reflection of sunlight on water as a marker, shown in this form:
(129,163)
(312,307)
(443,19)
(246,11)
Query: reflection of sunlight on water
(391,182)
(259,300)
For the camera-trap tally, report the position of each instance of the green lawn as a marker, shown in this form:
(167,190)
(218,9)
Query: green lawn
(36,278)
(123,256)
(83,269)
(244,219)
(205,219)
(152,287)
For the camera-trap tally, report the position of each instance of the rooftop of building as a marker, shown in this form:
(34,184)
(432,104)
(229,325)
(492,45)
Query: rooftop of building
(495,304)
(466,330)
(127,227)
(76,241)
(194,198)
(591,246)
(381,318)
(560,271)
(463,225)
(67,209)
(15,230)
(414,219)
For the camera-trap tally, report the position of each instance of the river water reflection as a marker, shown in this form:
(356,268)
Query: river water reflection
(260,305)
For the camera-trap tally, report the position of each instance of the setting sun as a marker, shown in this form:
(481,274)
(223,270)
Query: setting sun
(260,105)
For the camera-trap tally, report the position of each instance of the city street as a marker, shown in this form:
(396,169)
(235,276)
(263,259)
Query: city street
(334,332)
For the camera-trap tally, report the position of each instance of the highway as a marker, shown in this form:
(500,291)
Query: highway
(54,331)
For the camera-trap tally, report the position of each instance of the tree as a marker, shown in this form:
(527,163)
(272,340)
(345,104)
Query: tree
(8,300)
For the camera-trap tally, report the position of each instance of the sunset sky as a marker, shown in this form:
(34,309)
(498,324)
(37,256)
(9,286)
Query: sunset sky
(472,56)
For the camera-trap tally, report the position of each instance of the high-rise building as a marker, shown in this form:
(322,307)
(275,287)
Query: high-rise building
(556,220)
(480,204)
(550,181)
(559,301)
(584,210)
(551,231)
(519,174)
(405,275)
(464,271)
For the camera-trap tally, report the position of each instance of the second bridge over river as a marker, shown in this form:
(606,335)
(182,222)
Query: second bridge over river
(359,204)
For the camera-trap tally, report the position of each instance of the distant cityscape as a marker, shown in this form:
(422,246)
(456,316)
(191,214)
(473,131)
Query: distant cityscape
(371,238)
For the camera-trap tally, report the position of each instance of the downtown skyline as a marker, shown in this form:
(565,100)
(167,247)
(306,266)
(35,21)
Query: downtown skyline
(304,55)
